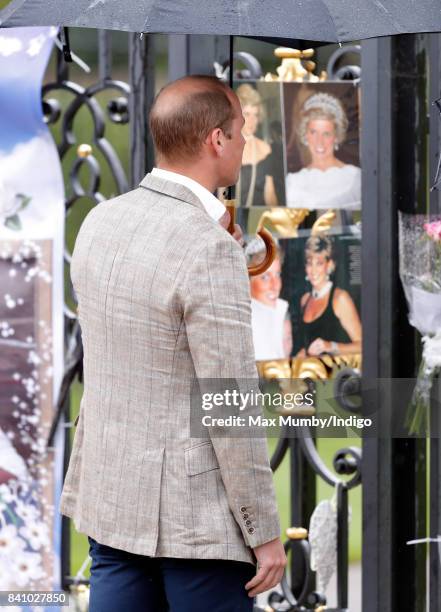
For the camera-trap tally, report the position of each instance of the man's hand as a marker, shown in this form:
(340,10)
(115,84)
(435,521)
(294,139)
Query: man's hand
(271,561)
(237,234)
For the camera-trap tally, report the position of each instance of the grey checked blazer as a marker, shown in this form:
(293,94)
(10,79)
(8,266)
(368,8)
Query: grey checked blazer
(163,297)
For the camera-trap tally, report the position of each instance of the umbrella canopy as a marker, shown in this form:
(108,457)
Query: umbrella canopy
(314,20)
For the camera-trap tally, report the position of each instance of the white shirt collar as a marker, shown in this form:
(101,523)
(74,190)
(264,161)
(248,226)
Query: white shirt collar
(212,205)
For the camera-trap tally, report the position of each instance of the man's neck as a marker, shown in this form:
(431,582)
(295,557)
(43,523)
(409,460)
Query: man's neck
(193,173)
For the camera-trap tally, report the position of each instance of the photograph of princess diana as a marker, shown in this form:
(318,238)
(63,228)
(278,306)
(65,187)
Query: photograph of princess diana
(262,177)
(322,145)
(321,282)
(270,320)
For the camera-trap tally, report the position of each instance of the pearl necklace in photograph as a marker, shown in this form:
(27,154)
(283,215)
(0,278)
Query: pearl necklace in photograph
(322,292)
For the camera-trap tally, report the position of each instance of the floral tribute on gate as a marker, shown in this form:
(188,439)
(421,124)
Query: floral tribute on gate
(32,220)
(26,508)
(420,272)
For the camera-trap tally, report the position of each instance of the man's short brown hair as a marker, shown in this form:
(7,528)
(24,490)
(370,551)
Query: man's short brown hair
(180,126)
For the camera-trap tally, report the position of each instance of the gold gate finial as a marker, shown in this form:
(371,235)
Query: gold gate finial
(295,67)
(84,150)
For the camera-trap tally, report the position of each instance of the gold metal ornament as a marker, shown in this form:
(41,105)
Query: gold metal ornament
(297,533)
(274,369)
(342,361)
(290,53)
(348,361)
(285,221)
(84,150)
(328,360)
(324,222)
(291,372)
(309,367)
(295,67)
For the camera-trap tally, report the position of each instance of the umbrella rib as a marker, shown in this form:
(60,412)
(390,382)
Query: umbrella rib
(150,11)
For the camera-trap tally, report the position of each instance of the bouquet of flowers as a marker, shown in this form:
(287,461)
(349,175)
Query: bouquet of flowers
(420,273)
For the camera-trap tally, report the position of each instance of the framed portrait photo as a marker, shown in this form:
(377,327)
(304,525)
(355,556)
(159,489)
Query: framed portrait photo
(321,126)
(262,177)
(321,280)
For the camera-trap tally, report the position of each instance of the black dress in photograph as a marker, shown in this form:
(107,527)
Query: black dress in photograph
(252,182)
(327,326)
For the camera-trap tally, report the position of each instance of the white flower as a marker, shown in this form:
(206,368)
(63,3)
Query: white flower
(10,542)
(34,358)
(36,534)
(26,566)
(6,494)
(27,512)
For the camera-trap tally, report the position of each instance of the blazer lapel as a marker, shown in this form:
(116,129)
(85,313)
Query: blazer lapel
(174,190)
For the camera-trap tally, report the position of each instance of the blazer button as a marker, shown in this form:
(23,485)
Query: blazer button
(243,509)
(248,523)
(251,530)
(245,516)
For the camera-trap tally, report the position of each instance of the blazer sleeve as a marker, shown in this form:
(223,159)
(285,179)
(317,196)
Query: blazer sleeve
(217,316)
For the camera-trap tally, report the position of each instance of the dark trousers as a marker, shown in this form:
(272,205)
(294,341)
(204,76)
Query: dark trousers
(121,581)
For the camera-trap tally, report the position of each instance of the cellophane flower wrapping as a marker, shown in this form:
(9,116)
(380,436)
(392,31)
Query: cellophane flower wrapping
(420,273)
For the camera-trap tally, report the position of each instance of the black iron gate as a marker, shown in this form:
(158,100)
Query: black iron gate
(394,106)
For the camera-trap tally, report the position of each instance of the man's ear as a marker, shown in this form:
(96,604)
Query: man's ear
(217,141)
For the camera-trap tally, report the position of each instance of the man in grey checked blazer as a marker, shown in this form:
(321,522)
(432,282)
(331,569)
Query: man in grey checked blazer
(174,522)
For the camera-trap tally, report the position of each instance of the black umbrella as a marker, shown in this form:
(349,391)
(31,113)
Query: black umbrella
(311,20)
